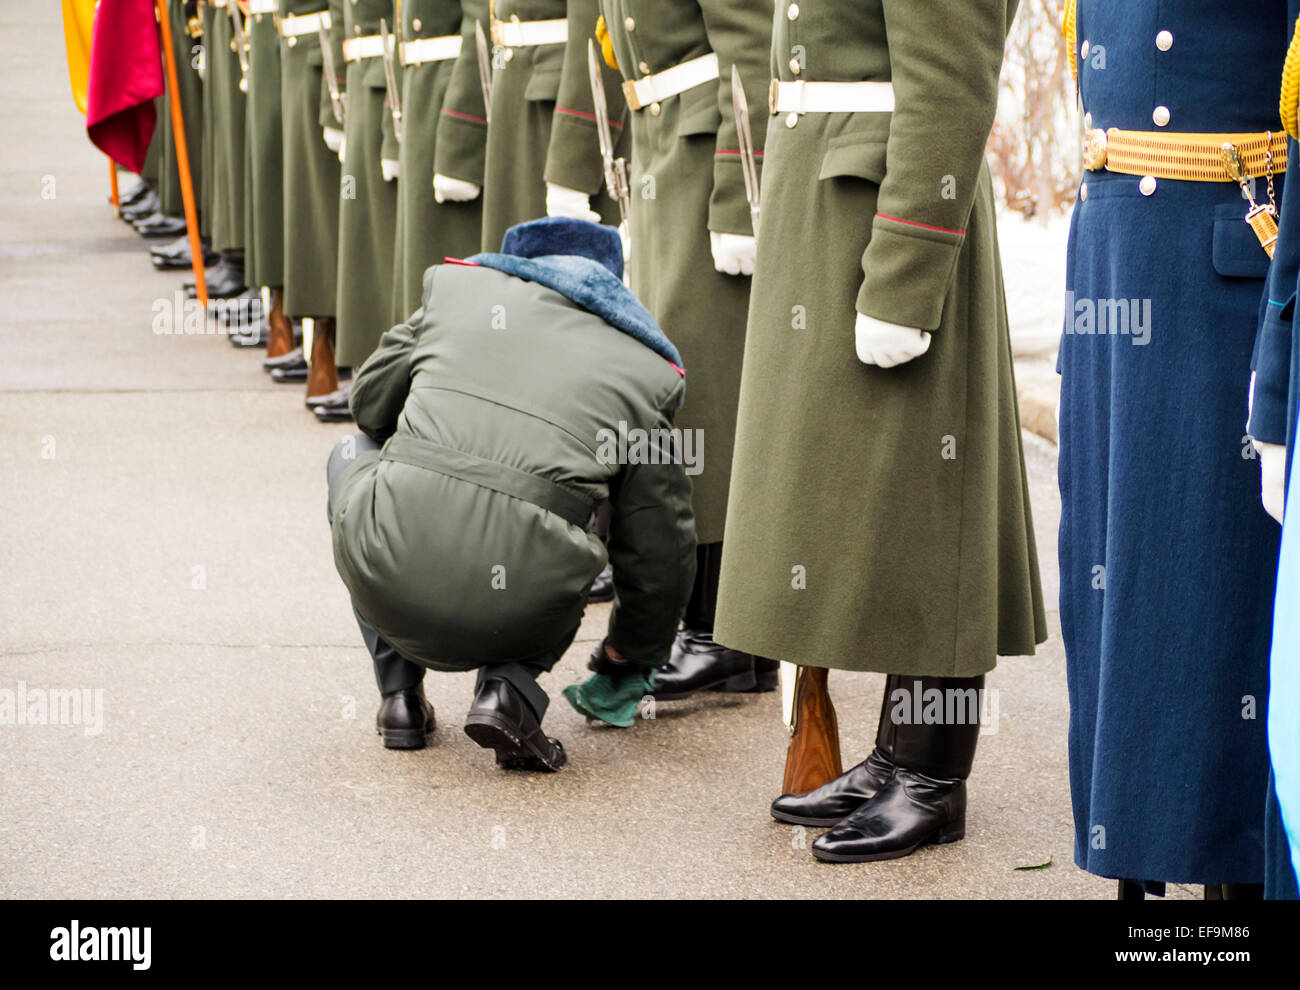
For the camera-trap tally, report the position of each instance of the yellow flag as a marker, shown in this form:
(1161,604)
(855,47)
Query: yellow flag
(78,24)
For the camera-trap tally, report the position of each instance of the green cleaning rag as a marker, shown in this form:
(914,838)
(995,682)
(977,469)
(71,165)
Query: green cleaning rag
(611,700)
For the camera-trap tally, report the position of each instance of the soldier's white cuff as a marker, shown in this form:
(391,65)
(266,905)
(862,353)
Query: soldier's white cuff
(562,201)
(390,168)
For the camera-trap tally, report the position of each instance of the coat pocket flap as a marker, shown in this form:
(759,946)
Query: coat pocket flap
(1237,251)
(864,159)
(698,110)
(543,85)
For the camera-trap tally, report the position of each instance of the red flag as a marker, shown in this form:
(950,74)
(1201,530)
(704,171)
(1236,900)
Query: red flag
(125,78)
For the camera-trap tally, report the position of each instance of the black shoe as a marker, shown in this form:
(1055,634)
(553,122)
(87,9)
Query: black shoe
(224,280)
(924,802)
(145,206)
(292,358)
(136,193)
(243,310)
(405,719)
(500,719)
(339,397)
(839,798)
(290,374)
(159,225)
(910,811)
(333,414)
(699,664)
(602,589)
(254,336)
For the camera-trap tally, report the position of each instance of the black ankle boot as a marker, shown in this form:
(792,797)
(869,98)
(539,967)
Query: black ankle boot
(837,799)
(405,719)
(698,662)
(924,801)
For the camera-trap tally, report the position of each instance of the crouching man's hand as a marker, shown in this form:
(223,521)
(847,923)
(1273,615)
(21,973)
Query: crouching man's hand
(614,690)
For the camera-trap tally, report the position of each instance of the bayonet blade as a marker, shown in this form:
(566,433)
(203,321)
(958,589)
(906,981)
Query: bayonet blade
(390,78)
(748,165)
(331,79)
(615,168)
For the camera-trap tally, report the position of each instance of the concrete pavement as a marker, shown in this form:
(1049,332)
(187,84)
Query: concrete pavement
(164,542)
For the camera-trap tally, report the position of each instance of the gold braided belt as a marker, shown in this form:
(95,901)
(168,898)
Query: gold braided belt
(1191,157)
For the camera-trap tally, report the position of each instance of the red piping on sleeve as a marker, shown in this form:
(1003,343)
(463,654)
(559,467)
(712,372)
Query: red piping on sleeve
(923,226)
(463,116)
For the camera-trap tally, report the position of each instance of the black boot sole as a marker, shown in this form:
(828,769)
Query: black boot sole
(512,752)
(786,819)
(952,832)
(405,738)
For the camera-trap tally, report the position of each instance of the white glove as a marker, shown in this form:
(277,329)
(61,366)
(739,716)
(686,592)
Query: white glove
(333,139)
(561,201)
(390,167)
(733,254)
(449,190)
(1272,477)
(888,344)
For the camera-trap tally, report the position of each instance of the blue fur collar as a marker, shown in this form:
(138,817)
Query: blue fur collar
(593,287)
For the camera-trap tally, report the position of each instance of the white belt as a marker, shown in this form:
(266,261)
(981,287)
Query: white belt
(651,89)
(371,46)
(430,49)
(830,97)
(218,3)
(261,6)
(292,27)
(523,34)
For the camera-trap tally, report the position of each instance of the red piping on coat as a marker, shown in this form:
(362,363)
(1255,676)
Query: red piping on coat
(923,226)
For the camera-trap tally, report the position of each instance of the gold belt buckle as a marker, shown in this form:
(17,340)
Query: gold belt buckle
(629,94)
(1094,149)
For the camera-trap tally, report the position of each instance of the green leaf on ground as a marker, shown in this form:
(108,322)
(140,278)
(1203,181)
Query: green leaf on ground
(1040,866)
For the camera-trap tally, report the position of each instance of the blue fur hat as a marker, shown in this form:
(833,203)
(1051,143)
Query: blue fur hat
(565,235)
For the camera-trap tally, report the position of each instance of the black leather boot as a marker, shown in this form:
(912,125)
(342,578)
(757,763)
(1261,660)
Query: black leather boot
(145,206)
(136,193)
(837,799)
(698,662)
(160,225)
(501,720)
(924,800)
(405,719)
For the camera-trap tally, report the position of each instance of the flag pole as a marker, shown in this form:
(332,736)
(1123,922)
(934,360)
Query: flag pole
(182,154)
(112,188)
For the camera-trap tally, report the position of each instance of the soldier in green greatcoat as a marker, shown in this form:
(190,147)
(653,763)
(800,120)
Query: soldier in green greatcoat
(225,80)
(264,175)
(692,251)
(368,204)
(434,34)
(530,39)
(311,131)
(574,171)
(461,142)
(879,504)
(186,37)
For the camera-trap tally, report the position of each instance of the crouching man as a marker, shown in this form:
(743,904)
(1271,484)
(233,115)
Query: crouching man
(459,514)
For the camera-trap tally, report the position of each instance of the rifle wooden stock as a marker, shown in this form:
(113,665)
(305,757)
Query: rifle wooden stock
(813,757)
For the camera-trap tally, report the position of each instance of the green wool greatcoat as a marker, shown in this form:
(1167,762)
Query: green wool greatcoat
(573,151)
(687,181)
(190,90)
(311,173)
(880,516)
(525,82)
(264,175)
(428,231)
(368,207)
(203,178)
(227,105)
